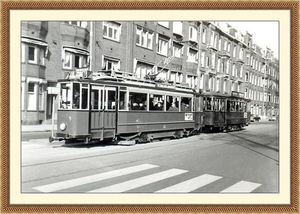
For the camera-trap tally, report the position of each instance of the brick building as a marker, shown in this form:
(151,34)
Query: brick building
(207,56)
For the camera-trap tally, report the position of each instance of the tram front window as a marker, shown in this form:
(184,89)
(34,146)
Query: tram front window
(76,95)
(65,96)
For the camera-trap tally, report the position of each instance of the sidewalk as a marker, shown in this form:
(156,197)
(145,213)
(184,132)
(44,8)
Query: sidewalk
(38,128)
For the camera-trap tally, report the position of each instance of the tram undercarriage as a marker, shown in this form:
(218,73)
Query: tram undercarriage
(125,139)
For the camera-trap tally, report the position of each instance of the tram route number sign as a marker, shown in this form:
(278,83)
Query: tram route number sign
(245,114)
(188,116)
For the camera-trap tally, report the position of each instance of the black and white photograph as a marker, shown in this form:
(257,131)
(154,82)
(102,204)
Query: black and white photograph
(159,107)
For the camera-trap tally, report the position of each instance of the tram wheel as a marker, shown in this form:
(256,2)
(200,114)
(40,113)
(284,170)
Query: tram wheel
(51,139)
(143,138)
(178,134)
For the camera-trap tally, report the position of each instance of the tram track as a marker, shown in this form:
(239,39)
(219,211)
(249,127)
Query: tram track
(154,156)
(157,145)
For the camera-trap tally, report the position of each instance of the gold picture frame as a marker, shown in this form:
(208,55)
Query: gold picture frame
(8,6)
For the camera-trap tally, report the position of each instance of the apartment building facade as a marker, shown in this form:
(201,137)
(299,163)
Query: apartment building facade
(206,56)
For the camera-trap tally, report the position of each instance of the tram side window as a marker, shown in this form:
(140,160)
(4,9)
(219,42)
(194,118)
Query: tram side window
(65,96)
(137,101)
(208,103)
(122,98)
(95,99)
(156,102)
(76,95)
(216,105)
(111,99)
(243,106)
(84,98)
(186,104)
(172,103)
(232,106)
(222,105)
(248,107)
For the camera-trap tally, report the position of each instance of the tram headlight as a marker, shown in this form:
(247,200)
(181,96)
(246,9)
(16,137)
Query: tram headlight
(63,126)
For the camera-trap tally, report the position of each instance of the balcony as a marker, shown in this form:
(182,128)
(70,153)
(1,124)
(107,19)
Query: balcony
(75,34)
(39,28)
(224,54)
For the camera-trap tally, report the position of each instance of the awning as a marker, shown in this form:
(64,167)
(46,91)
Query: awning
(75,50)
(34,41)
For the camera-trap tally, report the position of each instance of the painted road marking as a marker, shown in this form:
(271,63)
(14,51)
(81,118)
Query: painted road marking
(142,181)
(192,184)
(93,178)
(241,187)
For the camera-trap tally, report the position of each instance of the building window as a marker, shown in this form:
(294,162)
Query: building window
(32,54)
(234,51)
(202,81)
(202,58)
(31,102)
(68,60)
(192,55)
(191,80)
(143,69)
(218,84)
(228,47)
(176,76)
(110,64)
(220,45)
(41,97)
(177,28)
(82,24)
(23,53)
(233,70)
(42,56)
(213,60)
(144,38)
(192,34)
(241,71)
(74,58)
(177,50)
(225,45)
(227,66)
(213,39)
(162,46)
(225,86)
(204,35)
(207,62)
(165,24)
(163,74)
(112,30)
(246,77)
(219,64)
(210,83)
(242,54)
(80,61)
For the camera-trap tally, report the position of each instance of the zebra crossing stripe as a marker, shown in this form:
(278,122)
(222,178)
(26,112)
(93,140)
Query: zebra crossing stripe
(93,178)
(192,184)
(142,181)
(241,187)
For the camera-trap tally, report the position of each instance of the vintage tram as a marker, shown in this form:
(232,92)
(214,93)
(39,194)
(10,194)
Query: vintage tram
(225,112)
(121,108)
(118,107)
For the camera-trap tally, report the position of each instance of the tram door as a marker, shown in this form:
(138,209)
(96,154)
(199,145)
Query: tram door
(220,111)
(103,112)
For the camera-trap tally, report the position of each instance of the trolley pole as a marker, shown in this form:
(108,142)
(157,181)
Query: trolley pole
(199,57)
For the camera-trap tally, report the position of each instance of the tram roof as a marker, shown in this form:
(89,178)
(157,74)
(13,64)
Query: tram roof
(235,95)
(131,82)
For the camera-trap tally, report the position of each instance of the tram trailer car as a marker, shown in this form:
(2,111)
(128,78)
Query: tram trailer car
(110,108)
(225,112)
